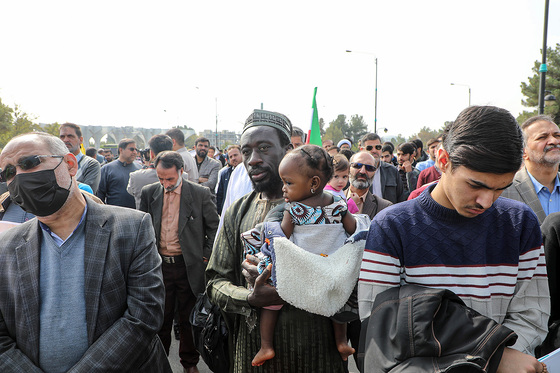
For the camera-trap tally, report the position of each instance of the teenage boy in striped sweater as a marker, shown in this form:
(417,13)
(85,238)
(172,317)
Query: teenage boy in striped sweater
(459,235)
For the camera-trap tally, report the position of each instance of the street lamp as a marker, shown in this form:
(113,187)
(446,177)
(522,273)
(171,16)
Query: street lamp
(543,69)
(465,85)
(549,99)
(372,54)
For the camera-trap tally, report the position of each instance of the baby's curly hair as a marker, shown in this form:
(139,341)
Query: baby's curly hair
(318,161)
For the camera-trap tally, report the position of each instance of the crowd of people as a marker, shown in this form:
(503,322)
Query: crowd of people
(310,252)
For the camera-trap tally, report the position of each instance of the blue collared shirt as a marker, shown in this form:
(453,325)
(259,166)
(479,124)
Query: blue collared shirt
(550,201)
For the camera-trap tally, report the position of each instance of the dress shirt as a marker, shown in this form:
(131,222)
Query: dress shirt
(169,239)
(550,201)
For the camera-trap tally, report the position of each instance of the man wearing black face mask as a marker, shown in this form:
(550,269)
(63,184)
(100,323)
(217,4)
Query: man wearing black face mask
(185,221)
(83,290)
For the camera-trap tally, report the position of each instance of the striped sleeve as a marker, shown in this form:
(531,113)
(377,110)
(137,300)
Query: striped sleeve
(381,268)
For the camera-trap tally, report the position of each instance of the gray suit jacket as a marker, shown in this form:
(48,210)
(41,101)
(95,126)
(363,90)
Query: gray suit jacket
(198,222)
(89,172)
(373,204)
(209,169)
(124,294)
(523,190)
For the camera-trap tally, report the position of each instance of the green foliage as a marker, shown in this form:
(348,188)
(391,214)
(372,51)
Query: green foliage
(398,140)
(185,127)
(53,128)
(425,134)
(340,128)
(14,122)
(322,126)
(189,142)
(531,89)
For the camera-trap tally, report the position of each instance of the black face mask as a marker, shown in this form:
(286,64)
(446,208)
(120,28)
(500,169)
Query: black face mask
(38,193)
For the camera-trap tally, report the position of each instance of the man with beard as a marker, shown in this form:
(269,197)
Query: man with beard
(81,284)
(207,167)
(537,183)
(362,170)
(303,342)
(234,158)
(386,183)
(405,158)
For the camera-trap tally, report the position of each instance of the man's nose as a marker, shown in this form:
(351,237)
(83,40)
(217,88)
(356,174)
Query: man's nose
(254,158)
(485,198)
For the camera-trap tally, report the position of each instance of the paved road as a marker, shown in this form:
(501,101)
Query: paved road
(178,368)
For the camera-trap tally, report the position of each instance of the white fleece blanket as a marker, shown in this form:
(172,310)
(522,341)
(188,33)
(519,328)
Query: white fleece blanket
(315,283)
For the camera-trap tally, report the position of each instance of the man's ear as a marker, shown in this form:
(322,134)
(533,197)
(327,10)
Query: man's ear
(442,160)
(525,155)
(72,163)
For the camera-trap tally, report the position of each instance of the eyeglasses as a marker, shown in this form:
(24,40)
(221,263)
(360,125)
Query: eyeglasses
(25,163)
(368,167)
(133,149)
(369,148)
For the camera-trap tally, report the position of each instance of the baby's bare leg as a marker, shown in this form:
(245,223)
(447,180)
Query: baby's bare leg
(342,341)
(267,325)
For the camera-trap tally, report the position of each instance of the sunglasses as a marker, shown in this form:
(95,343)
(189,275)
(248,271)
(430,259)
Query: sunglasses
(369,148)
(25,163)
(368,167)
(133,149)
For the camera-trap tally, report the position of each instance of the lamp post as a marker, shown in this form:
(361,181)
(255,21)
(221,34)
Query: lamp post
(372,54)
(543,69)
(465,85)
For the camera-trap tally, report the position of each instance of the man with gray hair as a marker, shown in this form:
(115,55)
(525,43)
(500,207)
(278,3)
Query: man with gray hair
(363,167)
(82,289)
(298,137)
(537,183)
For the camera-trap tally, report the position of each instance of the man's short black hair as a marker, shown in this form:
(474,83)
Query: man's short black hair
(169,159)
(484,139)
(160,143)
(74,126)
(177,135)
(407,148)
(369,137)
(91,152)
(201,139)
(124,143)
(418,143)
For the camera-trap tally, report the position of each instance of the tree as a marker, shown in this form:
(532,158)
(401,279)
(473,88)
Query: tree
(53,128)
(322,126)
(531,89)
(425,134)
(398,140)
(14,122)
(333,133)
(356,128)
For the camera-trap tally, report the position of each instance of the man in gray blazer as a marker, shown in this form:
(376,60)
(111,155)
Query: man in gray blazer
(362,170)
(81,289)
(537,183)
(208,168)
(185,221)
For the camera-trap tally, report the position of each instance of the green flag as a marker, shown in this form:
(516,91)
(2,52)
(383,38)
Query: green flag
(314,133)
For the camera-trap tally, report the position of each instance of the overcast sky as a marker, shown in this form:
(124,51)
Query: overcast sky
(158,64)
